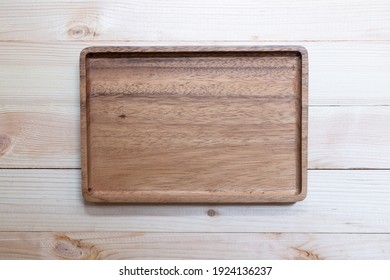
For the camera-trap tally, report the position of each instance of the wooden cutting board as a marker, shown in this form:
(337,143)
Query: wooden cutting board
(194,124)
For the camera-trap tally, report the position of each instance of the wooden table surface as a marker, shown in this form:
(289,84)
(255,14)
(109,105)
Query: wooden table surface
(346,214)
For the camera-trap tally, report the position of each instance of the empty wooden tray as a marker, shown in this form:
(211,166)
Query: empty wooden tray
(194,124)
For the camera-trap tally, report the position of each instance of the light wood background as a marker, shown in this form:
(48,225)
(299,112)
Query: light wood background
(347,212)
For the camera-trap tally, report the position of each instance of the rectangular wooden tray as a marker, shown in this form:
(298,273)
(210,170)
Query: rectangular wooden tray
(194,124)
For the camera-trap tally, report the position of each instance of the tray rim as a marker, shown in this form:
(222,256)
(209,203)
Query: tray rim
(91,195)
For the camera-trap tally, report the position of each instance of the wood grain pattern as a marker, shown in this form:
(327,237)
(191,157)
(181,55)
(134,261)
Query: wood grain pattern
(140,245)
(338,201)
(354,136)
(357,142)
(348,43)
(341,73)
(34,78)
(194,124)
(194,20)
(45,134)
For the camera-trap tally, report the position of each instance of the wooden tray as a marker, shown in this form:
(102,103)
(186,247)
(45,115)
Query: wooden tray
(194,124)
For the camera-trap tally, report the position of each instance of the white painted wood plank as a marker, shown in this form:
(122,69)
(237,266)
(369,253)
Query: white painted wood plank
(338,202)
(195,20)
(139,245)
(45,136)
(349,137)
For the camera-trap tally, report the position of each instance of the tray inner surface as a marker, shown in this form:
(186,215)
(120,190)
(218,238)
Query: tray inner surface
(194,122)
